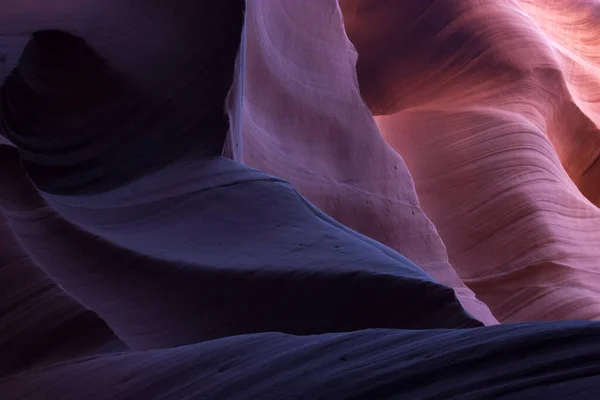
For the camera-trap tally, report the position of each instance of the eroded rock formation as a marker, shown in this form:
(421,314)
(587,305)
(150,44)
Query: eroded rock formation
(440,143)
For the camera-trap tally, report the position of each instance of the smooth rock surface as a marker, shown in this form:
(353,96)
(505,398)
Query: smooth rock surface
(429,167)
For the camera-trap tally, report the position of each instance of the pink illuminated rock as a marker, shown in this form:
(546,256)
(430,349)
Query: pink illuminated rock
(473,97)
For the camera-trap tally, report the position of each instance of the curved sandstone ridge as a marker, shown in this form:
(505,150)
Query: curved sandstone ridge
(488,107)
(300,116)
